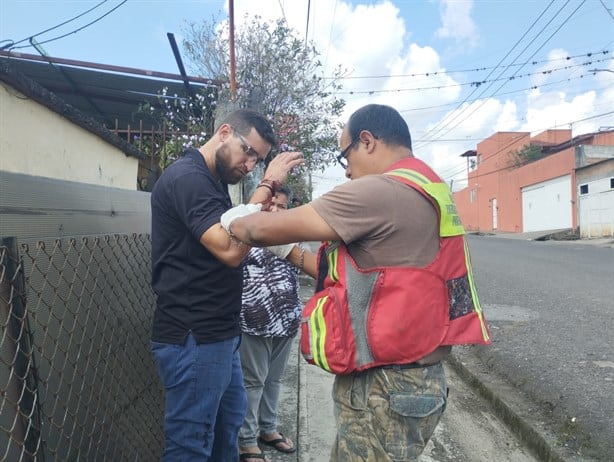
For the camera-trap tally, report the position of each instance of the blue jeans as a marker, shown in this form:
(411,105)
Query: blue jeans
(205,399)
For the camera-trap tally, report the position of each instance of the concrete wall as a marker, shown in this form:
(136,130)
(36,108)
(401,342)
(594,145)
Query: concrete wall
(37,141)
(596,207)
(495,181)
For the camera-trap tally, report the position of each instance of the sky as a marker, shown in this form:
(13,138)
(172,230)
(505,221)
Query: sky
(457,70)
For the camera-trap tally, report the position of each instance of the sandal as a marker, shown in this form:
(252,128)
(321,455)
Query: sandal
(276,444)
(253,455)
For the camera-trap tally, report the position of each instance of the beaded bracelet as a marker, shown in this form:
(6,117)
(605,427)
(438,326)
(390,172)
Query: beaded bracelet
(272,185)
(266,186)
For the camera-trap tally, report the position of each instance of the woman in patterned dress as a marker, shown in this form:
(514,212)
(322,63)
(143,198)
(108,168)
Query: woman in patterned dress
(270,319)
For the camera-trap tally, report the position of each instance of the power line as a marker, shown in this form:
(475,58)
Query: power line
(51,28)
(481,175)
(474,83)
(464,71)
(330,35)
(307,23)
(459,171)
(444,121)
(456,171)
(607,9)
(283,13)
(534,87)
(536,51)
(74,31)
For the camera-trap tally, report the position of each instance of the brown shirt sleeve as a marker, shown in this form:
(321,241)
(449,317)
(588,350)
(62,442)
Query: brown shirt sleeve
(382,221)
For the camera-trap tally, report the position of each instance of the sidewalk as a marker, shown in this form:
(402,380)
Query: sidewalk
(305,406)
(558,235)
(306,416)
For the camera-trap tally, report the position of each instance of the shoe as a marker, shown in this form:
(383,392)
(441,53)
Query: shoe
(276,443)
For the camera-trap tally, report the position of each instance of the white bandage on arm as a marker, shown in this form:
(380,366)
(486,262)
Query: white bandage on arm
(241,210)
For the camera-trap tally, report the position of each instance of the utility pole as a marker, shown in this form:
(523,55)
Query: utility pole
(231,24)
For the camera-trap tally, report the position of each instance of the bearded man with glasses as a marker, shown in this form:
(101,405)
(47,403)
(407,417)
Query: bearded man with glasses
(197,279)
(394,288)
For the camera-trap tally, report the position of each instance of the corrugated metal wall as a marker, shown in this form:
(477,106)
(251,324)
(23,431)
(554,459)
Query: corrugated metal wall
(75,311)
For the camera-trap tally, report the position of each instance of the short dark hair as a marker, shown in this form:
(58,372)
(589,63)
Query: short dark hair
(243,120)
(384,122)
(285,189)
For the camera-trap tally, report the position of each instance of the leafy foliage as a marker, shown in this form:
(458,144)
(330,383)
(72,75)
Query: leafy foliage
(525,155)
(278,75)
(184,122)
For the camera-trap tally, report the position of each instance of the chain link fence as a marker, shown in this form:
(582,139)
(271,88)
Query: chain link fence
(76,375)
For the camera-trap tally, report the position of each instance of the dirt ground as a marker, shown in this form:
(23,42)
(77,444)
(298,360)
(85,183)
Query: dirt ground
(469,431)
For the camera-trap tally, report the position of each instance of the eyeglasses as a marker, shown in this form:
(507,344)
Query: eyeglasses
(342,157)
(252,154)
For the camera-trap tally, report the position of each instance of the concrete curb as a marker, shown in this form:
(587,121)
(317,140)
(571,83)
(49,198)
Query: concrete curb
(301,419)
(509,410)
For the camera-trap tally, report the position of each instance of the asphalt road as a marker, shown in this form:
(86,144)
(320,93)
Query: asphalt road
(550,306)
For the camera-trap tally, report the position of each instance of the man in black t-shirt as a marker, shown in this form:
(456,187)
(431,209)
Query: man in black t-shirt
(198,283)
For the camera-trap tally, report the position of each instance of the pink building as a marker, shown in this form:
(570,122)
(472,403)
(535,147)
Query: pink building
(519,183)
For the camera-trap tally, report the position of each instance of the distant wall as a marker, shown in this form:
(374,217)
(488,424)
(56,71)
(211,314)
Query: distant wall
(596,199)
(37,141)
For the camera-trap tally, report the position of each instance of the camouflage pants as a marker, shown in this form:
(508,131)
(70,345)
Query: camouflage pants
(387,414)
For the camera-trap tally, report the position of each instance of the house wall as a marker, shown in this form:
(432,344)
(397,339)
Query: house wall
(490,181)
(494,183)
(552,136)
(495,188)
(37,141)
(596,206)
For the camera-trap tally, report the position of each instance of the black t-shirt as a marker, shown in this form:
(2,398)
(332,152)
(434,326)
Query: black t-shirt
(195,291)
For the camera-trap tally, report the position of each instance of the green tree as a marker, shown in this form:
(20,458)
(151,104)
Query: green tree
(278,75)
(525,155)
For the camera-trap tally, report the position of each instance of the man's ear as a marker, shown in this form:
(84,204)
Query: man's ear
(224,131)
(367,138)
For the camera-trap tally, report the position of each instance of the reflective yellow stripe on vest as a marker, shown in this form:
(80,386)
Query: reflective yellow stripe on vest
(332,265)
(450,223)
(476,302)
(318,335)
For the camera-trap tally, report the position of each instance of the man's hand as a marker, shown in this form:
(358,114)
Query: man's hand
(241,210)
(282,164)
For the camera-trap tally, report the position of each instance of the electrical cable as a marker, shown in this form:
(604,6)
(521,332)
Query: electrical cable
(74,31)
(447,121)
(59,25)
(283,13)
(607,9)
(505,82)
(474,83)
(330,35)
(534,87)
(454,173)
(307,22)
(464,71)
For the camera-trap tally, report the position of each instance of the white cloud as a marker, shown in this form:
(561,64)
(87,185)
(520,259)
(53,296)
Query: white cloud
(457,22)
(374,40)
(554,110)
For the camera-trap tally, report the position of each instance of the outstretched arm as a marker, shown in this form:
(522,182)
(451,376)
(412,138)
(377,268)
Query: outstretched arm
(301,224)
